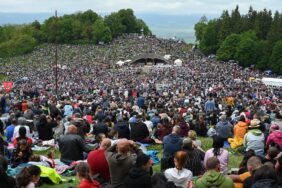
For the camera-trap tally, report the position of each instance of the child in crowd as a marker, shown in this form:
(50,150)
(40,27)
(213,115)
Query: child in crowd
(193,135)
(83,173)
(28,177)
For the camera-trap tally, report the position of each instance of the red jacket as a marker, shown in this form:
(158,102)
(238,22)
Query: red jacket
(275,137)
(98,163)
(87,184)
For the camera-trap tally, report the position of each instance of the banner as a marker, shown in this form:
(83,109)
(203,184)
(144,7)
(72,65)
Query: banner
(8,86)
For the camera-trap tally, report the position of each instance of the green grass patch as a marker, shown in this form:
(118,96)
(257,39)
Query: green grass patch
(2,77)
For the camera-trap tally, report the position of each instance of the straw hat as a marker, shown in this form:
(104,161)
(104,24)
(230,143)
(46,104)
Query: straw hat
(254,123)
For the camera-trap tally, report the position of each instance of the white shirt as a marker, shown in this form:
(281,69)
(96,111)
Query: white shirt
(149,125)
(179,177)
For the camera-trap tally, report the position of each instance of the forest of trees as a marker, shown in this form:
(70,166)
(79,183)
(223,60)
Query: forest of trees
(251,39)
(79,28)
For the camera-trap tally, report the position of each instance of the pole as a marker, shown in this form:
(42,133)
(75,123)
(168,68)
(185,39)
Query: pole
(56,56)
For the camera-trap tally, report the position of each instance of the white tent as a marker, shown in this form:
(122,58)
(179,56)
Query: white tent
(178,62)
(120,63)
(274,82)
(167,57)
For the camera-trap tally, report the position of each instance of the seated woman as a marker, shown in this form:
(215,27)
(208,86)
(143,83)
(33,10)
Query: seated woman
(83,173)
(21,154)
(179,175)
(22,136)
(218,152)
(28,177)
(240,130)
(193,135)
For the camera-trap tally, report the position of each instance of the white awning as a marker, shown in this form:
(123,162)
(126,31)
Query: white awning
(276,82)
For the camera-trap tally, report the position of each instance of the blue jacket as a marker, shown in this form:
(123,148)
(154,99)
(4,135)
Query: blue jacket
(224,129)
(10,132)
(210,106)
(172,143)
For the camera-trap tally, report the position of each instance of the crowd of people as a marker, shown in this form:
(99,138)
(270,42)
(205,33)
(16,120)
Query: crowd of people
(101,117)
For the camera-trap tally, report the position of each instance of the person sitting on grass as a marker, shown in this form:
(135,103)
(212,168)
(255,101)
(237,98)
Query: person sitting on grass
(195,157)
(28,177)
(21,154)
(240,130)
(253,164)
(217,151)
(22,136)
(83,173)
(121,157)
(254,138)
(179,175)
(72,146)
(243,172)
(272,153)
(196,142)
(97,161)
(213,177)
(171,144)
(265,177)
(139,175)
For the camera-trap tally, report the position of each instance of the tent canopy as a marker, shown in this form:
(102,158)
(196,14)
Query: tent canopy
(276,82)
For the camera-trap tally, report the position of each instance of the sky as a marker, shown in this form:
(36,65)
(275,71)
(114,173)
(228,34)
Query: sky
(139,6)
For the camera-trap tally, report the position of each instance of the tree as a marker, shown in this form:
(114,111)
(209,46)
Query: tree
(227,49)
(264,49)
(246,51)
(17,46)
(263,24)
(236,21)
(225,26)
(199,28)
(101,32)
(114,22)
(275,32)
(209,43)
(128,20)
(276,58)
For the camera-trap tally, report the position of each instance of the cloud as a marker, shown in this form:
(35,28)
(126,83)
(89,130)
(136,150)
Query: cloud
(139,6)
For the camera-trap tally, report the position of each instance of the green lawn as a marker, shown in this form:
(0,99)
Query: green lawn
(2,77)
(234,161)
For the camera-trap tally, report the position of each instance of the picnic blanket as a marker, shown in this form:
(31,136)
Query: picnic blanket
(39,148)
(151,153)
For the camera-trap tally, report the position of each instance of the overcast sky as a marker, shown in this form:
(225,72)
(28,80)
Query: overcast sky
(139,6)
